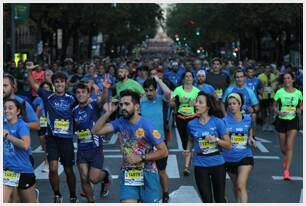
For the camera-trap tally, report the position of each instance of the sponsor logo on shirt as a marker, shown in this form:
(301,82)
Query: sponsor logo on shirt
(140,132)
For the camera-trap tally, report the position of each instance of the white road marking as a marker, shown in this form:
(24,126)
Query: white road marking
(292,178)
(263,140)
(301,197)
(113,140)
(184,195)
(266,157)
(172,167)
(44,175)
(178,140)
(261,147)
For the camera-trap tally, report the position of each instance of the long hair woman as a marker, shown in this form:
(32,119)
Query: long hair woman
(208,135)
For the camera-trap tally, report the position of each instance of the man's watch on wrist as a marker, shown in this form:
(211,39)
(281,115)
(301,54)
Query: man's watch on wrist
(143,157)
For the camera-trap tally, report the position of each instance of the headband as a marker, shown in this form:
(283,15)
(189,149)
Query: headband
(236,96)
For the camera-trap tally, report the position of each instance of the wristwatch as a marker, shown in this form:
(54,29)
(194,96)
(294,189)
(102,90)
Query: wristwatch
(217,139)
(143,157)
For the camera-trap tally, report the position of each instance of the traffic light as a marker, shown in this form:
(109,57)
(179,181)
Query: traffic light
(198,32)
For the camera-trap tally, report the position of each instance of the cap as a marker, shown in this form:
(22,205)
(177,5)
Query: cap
(201,72)
(87,77)
(174,64)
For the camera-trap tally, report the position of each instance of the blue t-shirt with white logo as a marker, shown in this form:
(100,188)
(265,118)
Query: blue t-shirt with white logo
(253,84)
(174,77)
(153,110)
(249,97)
(239,131)
(59,113)
(199,132)
(139,138)
(15,158)
(84,119)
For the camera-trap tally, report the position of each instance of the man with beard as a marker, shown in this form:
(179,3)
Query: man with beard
(59,136)
(203,86)
(141,146)
(126,83)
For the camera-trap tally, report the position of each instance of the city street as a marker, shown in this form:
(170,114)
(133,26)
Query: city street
(265,183)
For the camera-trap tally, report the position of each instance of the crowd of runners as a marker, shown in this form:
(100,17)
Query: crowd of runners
(215,105)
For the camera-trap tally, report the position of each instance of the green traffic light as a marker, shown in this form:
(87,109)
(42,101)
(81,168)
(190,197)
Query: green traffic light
(198,33)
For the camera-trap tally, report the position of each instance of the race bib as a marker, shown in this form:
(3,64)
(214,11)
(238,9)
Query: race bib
(219,93)
(133,177)
(289,110)
(187,110)
(84,136)
(207,147)
(61,126)
(43,122)
(239,141)
(268,89)
(11,178)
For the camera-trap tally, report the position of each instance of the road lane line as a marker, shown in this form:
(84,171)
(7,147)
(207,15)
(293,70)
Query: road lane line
(172,167)
(266,157)
(261,147)
(296,178)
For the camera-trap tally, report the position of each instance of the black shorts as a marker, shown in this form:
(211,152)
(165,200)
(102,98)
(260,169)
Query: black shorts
(232,167)
(60,148)
(161,164)
(42,131)
(26,181)
(93,157)
(282,126)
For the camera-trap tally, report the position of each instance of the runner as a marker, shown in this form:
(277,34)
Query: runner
(59,132)
(251,104)
(139,179)
(202,85)
(288,102)
(154,107)
(207,134)
(183,100)
(90,155)
(239,160)
(18,171)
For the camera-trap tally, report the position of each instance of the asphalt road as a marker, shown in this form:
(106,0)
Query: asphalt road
(265,183)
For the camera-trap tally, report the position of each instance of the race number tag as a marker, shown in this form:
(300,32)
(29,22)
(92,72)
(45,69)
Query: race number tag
(187,110)
(268,89)
(84,136)
(219,93)
(11,178)
(43,122)
(289,110)
(208,147)
(61,126)
(239,141)
(133,177)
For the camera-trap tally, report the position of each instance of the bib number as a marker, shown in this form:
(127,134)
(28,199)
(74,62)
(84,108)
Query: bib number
(239,141)
(207,147)
(11,178)
(84,136)
(43,122)
(133,177)
(187,110)
(61,126)
(268,89)
(219,93)
(290,110)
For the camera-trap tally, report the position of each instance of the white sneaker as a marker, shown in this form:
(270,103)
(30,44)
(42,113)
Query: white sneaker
(45,168)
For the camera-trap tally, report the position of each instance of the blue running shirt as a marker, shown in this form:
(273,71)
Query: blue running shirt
(198,132)
(239,131)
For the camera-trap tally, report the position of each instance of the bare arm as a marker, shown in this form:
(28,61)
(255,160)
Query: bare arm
(34,125)
(101,127)
(164,87)
(23,143)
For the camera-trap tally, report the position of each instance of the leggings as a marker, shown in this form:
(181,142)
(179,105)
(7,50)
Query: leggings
(182,129)
(211,176)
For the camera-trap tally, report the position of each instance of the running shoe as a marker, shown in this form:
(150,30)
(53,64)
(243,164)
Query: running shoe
(186,171)
(105,185)
(58,199)
(287,175)
(74,200)
(165,197)
(45,168)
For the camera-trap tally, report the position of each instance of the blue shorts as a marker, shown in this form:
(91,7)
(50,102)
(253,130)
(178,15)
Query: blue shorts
(93,157)
(149,193)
